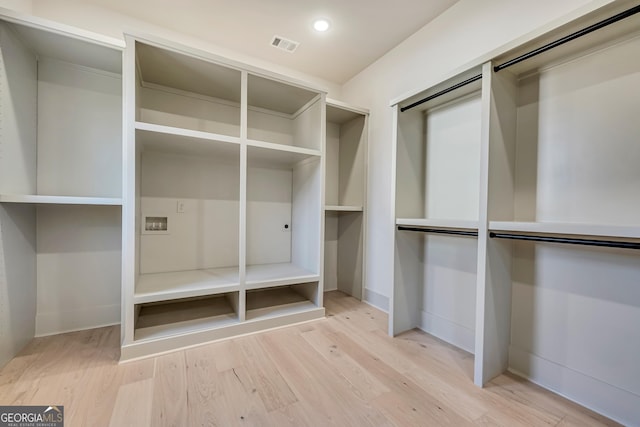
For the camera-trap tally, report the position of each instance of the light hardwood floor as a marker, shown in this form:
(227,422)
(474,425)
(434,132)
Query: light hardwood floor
(342,371)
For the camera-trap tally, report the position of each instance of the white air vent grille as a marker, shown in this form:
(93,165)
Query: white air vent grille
(284,44)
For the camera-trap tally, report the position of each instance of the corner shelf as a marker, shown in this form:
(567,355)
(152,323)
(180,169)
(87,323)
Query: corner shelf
(59,200)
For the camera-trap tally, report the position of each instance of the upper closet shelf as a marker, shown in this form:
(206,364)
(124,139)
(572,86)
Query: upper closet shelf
(445,224)
(185,141)
(186,133)
(574,229)
(268,154)
(59,200)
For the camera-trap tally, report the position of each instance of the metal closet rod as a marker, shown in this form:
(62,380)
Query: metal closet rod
(570,241)
(439,231)
(572,36)
(442,92)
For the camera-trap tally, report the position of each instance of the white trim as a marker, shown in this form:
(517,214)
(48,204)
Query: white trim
(345,106)
(61,29)
(613,402)
(77,320)
(449,331)
(376,300)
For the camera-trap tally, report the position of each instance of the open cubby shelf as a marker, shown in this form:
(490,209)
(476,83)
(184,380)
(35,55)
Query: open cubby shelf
(281,301)
(159,320)
(224,196)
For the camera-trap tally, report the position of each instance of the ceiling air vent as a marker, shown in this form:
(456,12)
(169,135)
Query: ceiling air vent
(284,44)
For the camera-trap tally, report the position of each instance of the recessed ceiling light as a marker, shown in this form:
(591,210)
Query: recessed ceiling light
(321,25)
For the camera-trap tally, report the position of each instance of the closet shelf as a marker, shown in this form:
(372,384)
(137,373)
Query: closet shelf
(450,224)
(59,200)
(271,275)
(185,284)
(341,208)
(174,139)
(569,229)
(267,153)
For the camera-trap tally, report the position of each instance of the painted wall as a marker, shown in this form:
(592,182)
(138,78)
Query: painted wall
(24,6)
(463,35)
(113,24)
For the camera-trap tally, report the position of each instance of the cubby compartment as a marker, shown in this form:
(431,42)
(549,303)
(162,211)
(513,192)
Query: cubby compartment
(345,198)
(190,187)
(344,252)
(346,151)
(60,180)
(438,157)
(183,90)
(166,319)
(279,301)
(282,113)
(283,217)
(61,118)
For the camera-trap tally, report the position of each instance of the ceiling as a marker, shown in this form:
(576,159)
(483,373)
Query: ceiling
(361,32)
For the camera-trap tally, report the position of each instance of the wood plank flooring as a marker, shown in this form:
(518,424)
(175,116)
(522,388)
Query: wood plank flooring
(342,371)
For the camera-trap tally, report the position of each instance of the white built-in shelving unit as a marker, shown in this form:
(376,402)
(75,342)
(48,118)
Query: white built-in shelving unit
(345,198)
(224,197)
(60,180)
(540,158)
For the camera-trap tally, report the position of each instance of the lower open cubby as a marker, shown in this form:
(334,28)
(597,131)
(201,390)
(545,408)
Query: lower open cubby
(163,319)
(281,300)
(170,325)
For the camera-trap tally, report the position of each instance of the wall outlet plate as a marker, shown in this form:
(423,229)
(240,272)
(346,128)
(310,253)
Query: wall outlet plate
(156,224)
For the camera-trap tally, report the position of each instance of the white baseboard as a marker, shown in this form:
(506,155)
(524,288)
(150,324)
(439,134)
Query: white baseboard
(377,300)
(448,331)
(606,399)
(77,320)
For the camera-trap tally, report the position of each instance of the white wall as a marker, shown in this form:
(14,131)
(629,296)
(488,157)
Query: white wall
(24,6)
(463,35)
(113,24)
